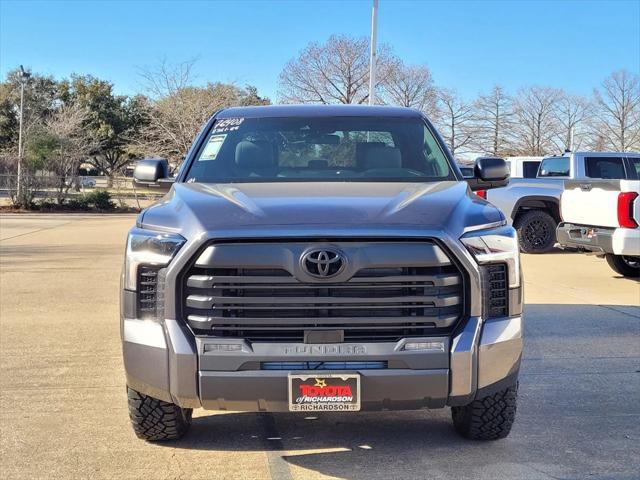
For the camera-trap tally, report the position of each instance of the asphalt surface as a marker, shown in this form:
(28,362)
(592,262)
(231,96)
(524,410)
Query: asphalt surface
(63,405)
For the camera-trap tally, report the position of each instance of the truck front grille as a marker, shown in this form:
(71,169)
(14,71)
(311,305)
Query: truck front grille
(376,303)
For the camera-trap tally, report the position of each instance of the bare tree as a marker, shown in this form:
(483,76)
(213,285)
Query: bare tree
(73,144)
(536,125)
(571,113)
(163,79)
(333,72)
(455,122)
(493,114)
(177,109)
(411,86)
(617,112)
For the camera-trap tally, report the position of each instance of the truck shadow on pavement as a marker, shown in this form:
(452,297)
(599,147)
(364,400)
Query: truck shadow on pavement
(360,446)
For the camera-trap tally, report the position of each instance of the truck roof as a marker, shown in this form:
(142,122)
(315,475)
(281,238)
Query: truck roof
(319,111)
(598,154)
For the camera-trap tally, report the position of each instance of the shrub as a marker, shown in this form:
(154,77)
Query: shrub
(98,199)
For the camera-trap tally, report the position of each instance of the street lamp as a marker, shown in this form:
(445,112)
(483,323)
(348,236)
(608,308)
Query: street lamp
(23,78)
(372,53)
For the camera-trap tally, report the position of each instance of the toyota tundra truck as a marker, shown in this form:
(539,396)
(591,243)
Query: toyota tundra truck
(321,258)
(601,213)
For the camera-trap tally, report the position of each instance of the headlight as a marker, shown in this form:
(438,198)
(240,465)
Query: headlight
(496,245)
(145,247)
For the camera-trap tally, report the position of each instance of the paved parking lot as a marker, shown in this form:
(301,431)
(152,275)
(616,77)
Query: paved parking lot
(63,407)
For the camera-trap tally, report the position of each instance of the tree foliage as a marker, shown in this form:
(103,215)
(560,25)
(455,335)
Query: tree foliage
(176,109)
(336,71)
(112,120)
(536,124)
(456,121)
(40,101)
(82,119)
(411,86)
(493,118)
(617,107)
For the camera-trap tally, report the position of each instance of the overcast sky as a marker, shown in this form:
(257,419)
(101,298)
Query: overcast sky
(469,46)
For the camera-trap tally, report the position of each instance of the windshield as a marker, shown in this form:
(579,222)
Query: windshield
(319,149)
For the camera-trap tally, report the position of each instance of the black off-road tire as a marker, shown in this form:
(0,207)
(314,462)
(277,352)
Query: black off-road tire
(155,420)
(488,418)
(536,231)
(625,266)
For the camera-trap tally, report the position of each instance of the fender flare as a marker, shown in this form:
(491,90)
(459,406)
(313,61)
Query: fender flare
(542,199)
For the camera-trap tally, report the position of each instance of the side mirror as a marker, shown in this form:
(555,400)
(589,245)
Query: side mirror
(489,172)
(152,172)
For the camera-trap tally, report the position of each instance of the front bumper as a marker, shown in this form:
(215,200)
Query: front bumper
(618,241)
(165,361)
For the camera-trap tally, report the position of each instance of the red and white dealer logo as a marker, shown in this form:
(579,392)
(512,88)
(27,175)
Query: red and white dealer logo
(321,392)
(324,393)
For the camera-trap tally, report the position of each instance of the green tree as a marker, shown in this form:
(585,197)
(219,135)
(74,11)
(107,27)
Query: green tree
(39,148)
(177,109)
(112,120)
(40,101)
(8,121)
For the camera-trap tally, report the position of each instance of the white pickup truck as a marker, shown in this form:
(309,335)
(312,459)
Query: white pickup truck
(603,216)
(532,205)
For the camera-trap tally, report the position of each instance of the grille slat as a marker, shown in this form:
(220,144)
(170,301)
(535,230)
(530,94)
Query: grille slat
(442,321)
(420,294)
(211,281)
(276,303)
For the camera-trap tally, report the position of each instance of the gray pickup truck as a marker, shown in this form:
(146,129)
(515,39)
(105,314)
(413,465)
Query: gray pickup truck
(321,258)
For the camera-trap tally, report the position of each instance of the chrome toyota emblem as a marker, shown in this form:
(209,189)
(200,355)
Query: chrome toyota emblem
(323,262)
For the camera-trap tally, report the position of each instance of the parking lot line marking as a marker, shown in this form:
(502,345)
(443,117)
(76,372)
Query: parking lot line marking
(273,448)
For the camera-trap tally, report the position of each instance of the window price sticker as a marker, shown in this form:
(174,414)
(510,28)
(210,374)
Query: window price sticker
(212,147)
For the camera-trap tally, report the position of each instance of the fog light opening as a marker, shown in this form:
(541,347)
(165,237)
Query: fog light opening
(222,347)
(426,346)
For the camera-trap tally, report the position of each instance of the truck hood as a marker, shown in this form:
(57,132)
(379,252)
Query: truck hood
(258,209)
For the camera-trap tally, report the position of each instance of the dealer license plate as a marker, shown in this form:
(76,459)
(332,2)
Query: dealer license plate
(324,392)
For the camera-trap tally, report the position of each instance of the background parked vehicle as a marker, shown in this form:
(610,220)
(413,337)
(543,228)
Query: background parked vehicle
(523,167)
(532,205)
(87,182)
(602,216)
(466,170)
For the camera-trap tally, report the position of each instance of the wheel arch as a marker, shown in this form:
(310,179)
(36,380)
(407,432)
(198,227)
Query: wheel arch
(548,204)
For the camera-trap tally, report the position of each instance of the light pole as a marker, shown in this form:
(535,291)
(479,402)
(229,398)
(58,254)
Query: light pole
(372,53)
(24,78)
